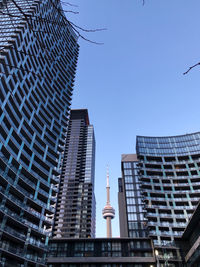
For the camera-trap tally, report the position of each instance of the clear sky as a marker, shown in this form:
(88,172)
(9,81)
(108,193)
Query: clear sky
(134,83)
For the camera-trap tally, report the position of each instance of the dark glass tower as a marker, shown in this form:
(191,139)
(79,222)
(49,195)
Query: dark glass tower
(38,56)
(131,208)
(75,213)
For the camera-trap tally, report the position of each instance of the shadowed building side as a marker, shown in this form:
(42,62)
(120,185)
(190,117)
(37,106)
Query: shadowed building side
(131,208)
(75,212)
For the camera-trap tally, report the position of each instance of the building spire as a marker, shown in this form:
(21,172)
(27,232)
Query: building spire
(107,176)
(108,188)
(108,211)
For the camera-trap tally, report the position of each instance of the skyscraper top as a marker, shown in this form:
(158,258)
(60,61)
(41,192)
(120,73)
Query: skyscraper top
(168,145)
(77,114)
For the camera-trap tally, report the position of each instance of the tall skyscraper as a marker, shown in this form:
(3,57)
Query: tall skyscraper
(75,213)
(168,174)
(38,57)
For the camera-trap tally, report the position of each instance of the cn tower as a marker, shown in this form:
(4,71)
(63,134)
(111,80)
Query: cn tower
(108,211)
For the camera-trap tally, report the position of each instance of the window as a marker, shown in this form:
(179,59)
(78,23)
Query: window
(106,246)
(79,246)
(89,246)
(127,165)
(116,246)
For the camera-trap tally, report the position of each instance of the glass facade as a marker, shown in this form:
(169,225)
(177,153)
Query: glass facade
(161,185)
(37,70)
(183,145)
(75,214)
(102,251)
(170,177)
(136,222)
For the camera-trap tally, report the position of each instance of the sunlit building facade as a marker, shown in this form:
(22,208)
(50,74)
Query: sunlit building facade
(38,57)
(75,213)
(167,171)
(170,182)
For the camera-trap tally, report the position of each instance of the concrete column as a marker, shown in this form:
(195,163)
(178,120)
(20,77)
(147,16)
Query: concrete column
(109,227)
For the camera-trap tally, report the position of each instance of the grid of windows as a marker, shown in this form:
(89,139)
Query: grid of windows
(168,145)
(170,183)
(75,214)
(133,199)
(36,85)
(138,247)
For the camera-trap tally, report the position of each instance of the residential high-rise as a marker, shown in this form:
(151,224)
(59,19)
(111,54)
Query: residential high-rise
(168,173)
(75,213)
(131,211)
(38,57)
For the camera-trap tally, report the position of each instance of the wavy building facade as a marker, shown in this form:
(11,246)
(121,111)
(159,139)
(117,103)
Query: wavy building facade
(168,171)
(38,57)
(170,182)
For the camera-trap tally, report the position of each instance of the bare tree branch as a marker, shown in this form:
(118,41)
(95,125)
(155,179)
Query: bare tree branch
(192,67)
(68,4)
(77,28)
(86,30)
(31,21)
(70,11)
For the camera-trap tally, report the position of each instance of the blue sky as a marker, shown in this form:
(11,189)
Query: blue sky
(134,83)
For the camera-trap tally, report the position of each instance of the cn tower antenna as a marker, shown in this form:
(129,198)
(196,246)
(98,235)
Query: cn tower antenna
(107,176)
(108,211)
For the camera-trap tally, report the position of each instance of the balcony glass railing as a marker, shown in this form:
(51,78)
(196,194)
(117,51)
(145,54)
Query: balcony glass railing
(16,217)
(14,232)
(35,258)
(36,243)
(43,192)
(26,193)
(169,207)
(14,250)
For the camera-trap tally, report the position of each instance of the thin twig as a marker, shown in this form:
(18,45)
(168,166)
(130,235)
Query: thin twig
(192,67)
(77,28)
(87,30)
(68,4)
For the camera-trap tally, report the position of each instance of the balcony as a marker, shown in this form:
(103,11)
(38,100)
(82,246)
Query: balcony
(15,233)
(14,250)
(37,243)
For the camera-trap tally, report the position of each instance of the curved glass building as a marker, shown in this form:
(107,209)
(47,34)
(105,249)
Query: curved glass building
(38,57)
(159,191)
(169,172)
